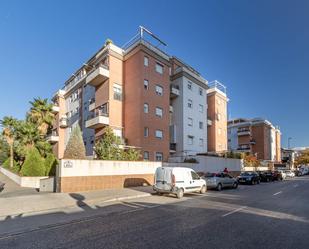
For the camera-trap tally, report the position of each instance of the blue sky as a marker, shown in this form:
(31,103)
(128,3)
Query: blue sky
(258,49)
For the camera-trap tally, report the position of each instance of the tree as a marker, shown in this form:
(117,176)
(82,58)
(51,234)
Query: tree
(303,159)
(9,126)
(41,114)
(4,150)
(75,148)
(34,164)
(50,165)
(109,147)
(251,161)
(27,133)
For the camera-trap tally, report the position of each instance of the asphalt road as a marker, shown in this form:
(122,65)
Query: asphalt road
(269,215)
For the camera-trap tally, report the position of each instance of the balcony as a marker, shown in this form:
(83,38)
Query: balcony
(172,147)
(209,121)
(173,133)
(244,148)
(252,142)
(63,122)
(53,137)
(244,132)
(174,91)
(91,104)
(55,109)
(171,109)
(98,76)
(98,120)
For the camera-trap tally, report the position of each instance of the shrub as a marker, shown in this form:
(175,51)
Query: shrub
(15,168)
(75,148)
(190,160)
(50,165)
(34,164)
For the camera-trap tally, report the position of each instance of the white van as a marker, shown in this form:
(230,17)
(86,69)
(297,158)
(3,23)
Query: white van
(178,180)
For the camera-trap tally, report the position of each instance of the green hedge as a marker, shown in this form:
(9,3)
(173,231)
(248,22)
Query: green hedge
(50,165)
(15,168)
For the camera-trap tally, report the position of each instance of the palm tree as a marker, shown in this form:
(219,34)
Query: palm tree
(27,133)
(41,114)
(9,126)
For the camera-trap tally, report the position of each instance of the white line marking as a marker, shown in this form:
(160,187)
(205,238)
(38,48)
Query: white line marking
(234,211)
(277,193)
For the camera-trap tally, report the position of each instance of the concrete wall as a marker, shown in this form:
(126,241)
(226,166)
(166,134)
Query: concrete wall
(212,164)
(85,175)
(23,181)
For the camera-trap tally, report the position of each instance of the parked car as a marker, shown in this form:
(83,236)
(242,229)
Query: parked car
(249,177)
(278,176)
(220,180)
(283,174)
(266,176)
(289,173)
(178,180)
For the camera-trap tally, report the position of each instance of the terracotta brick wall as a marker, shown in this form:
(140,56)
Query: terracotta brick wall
(86,183)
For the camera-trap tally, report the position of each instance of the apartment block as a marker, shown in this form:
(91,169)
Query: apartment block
(256,136)
(217,101)
(153,102)
(188,110)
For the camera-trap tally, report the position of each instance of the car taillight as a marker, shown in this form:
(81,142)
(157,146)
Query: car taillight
(173,180)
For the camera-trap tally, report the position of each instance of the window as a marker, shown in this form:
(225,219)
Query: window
(146,155)
(159,156)
(201,142)
(190,140)
(146,84)
(194,176)
(200,90)
(159,112)
(146,61)
(146,131)
(117,92)
(159,90)
(218,116)
(190,103)
(159,68)
(189,85)
(190,121)
(146,108)
(159,134)
(201,125)
(200,108)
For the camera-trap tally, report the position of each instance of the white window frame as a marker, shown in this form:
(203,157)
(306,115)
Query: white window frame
(146,61)
(157,132)
(146,108)
(190,103)
(190,140)
(146,132)
(146,152)
(159,68)
(159,154)
(201,92)
(201,108)
(159,112)
(201,125)
(159,90)
(146,84)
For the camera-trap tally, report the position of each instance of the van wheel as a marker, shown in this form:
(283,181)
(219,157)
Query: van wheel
(179,193)
(203,189)
(219,187)
(159,193)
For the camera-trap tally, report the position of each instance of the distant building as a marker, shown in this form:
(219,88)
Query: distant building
(256,136)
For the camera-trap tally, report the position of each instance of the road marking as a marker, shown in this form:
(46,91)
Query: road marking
(277,193)
(234,211)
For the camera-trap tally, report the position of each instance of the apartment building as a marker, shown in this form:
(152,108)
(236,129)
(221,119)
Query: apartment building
(217,101)
(256,136)
(188,110)
(152,101)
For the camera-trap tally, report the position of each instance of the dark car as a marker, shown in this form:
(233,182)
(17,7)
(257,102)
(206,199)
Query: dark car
(277,176)
(266,176)
(249,178)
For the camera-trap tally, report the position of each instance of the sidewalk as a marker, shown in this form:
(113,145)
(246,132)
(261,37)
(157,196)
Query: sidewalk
(49,202)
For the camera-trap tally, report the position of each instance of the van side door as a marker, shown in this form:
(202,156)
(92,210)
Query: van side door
(196,183)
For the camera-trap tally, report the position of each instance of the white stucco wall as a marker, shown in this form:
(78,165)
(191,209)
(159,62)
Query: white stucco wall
(69,168)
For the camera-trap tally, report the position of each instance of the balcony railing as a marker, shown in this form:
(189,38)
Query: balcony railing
(98,120)
(174,91)
(63,122)
(98,75)
(243,132)
(91,104)
(53,137)
(209,121)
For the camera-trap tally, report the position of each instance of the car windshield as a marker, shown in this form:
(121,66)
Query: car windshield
(246,174)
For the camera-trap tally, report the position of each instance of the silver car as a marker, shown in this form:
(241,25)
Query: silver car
(220,180)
